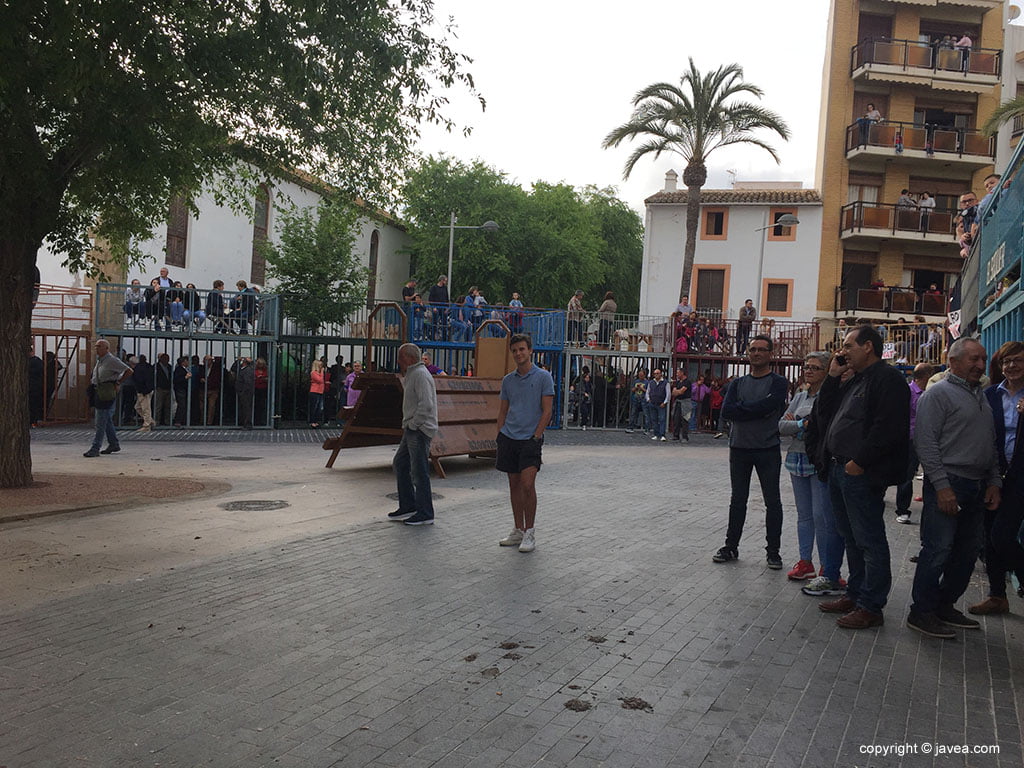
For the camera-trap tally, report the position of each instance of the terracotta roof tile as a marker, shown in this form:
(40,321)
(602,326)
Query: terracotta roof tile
(733,196)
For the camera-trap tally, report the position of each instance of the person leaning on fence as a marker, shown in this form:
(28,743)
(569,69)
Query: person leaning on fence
(524,412)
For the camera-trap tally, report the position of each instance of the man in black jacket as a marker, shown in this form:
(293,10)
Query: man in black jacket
(858,438)
(144,376)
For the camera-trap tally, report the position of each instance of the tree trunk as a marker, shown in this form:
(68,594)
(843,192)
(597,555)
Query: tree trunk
(17,260)
(694,177)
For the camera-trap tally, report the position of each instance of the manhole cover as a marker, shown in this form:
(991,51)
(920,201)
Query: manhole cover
(394,496)
(255,505)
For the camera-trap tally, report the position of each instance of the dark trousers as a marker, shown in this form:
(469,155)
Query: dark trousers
(949,545)
(681,418)
(742,337)
(905,490)
(1003,551)
(768,463)
(412,473)
(859,507)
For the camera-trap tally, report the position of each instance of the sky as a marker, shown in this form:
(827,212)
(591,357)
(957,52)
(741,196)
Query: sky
(558,75)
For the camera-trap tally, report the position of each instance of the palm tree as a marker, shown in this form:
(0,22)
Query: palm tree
(1004,113)
(694,119)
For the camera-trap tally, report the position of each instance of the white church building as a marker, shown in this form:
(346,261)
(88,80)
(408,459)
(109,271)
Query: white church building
(741,252)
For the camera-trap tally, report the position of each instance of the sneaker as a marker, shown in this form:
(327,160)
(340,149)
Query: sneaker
(774,561)
(724,555)
(903,517)
(663,438)
(822,587)
(514,539)
(990,606)
(629,431)
(401,516)
(529,541)
(419,519)
(929,624)
(947,614)
(111,449)
(91,454)
(804,569)
(654,438)
(719,434)
(919,476)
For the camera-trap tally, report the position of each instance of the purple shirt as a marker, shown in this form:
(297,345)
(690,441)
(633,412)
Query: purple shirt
(915,394)
(353,394)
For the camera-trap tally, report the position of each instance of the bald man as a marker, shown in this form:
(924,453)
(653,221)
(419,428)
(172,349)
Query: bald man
(107,375)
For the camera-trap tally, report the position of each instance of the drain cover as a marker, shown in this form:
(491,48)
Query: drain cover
(394,496)
(255,505)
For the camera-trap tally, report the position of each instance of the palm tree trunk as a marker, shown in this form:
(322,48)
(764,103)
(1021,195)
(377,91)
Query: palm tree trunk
(694,177)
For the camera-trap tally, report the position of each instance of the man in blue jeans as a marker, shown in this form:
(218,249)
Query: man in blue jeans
(419,425)
(657,399)
(755,403)
(107,375)
(955,439)
(858,437)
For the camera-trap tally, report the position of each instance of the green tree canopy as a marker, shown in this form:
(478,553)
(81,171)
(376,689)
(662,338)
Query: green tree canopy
(318,277)
(109,108)
(552,239)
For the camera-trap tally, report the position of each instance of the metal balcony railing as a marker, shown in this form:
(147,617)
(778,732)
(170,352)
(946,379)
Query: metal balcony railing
(890,300)
(939,141)
(904,343)
(912,55)
(861,215)
(793,339)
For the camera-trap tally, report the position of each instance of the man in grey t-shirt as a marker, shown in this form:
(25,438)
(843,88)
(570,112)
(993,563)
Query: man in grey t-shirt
(107,375)
(755,403)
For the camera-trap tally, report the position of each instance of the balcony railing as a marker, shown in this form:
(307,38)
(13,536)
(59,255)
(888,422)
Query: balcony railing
(1018,126)
(890,300)
(792,339)
(935,140)
(904,343)
(911,55)
(862,215)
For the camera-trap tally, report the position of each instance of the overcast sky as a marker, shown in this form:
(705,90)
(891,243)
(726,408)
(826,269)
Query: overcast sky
(558,75)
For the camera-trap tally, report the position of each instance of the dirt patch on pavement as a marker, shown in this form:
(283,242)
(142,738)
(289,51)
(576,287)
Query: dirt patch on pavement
(54,493)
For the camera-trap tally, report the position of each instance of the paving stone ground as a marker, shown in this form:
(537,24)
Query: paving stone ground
(323,635)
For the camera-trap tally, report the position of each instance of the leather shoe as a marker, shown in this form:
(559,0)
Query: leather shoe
(842,605)
(111,449)
(860,619)
(990,606)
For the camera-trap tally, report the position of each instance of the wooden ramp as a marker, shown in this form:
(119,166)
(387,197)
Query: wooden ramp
(467,417)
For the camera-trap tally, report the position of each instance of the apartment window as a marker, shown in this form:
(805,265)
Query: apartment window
(177,232)
(712,286)
(260,227)
(715,225)
(777,298)
(779,232)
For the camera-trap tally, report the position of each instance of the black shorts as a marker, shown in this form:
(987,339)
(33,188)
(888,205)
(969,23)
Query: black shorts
(516,455)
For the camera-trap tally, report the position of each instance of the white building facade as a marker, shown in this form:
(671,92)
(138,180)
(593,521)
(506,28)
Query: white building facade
(220,243)
(740,254)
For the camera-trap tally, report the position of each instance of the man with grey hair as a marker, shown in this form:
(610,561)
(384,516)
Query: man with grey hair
(955,439)
(107,374)
(419,425)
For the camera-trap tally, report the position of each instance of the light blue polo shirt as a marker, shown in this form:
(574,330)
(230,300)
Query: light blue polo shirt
(524,395)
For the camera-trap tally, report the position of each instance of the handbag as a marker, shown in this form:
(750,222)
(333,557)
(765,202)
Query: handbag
(106,393)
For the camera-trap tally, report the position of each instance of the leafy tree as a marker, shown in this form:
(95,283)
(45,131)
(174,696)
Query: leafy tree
(552,239)
(694,119)
(319,278)
(1003,114)
(109,108)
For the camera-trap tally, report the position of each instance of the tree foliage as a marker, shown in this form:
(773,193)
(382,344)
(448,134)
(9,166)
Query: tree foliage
(552,239)
(318,277)
(693,119)
(109,108)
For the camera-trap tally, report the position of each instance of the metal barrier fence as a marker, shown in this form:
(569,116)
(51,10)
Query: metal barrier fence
(903,343)
(61,363)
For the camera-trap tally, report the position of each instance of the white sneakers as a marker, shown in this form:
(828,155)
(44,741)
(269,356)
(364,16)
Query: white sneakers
(525,540)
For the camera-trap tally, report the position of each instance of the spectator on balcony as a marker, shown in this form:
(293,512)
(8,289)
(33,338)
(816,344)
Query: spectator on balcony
(748,314)
(606,317)
(684,307)
(964,46)
(515,315)
(433,370)
(906,200)
(416,309)
(871,116)
(175,303)
(574,316)
(243,306)
(462,320)
(193,306)
(927,206)
(438,298)
(135,302)
(991,185)
(409,291)
(156,302)
(215,307)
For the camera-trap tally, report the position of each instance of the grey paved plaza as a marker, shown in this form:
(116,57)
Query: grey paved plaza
(320,634)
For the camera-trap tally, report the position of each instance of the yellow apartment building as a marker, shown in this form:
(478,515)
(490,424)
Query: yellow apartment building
(906,86)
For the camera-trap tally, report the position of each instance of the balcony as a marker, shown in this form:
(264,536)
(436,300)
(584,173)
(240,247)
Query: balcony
(872,221)
(912,62)
(921,147)
(890,301)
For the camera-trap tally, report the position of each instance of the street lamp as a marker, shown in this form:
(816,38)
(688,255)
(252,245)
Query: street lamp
(785,220)
(487,226)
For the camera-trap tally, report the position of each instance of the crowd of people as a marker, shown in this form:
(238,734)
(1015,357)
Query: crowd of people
(166,304)
(435,317)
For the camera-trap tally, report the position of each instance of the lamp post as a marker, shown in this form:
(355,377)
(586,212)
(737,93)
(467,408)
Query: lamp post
(487,226)
(785,220)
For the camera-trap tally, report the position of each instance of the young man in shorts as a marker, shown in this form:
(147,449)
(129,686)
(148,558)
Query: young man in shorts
(527,395)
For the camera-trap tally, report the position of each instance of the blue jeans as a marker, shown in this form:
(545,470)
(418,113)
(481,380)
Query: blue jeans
(316,407)
(177,311)
(104,428)
(657,419)
(816,522)
(637,413)
(695,415)
(859,508)
(949,545)
(412,473)
(768,463)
